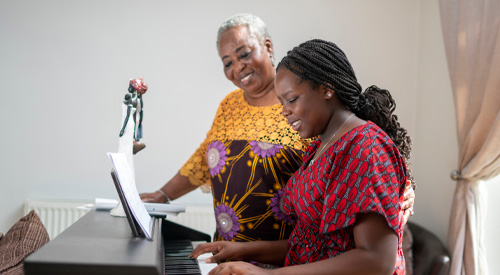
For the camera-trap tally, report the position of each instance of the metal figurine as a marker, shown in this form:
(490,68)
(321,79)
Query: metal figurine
(131,130)
(134,103)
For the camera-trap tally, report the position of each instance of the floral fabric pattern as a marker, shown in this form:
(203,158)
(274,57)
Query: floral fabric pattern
(247,158)
(227,222)
(216,157)
(361,172)
(237,120)
(265,149)
(277,207)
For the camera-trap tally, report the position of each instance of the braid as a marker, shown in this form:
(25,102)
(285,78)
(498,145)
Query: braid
(324,63)
(379,107)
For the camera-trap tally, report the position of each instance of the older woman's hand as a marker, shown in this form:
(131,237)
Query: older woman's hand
(156,197)
(408,202)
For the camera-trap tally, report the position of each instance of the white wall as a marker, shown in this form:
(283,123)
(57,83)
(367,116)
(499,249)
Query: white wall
(492,224)
(65,67)
(435,142)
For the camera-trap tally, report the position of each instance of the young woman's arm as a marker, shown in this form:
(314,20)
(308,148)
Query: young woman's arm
(269,252)
(375,253)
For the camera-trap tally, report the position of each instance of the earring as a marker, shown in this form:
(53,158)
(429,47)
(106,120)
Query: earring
(329,94)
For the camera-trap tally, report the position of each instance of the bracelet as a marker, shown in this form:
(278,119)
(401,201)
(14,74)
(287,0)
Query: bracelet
(164,194)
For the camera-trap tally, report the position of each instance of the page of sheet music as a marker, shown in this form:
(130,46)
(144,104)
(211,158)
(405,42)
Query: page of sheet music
(127,182)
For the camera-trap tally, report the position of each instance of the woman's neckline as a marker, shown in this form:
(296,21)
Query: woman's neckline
(310,164)
(244,100)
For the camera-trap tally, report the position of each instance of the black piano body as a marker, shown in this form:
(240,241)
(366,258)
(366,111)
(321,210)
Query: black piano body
(99,243)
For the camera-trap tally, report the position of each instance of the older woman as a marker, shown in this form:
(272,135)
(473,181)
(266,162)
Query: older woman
(251,151)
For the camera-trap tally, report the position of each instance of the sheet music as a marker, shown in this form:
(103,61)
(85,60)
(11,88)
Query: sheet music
(127,182)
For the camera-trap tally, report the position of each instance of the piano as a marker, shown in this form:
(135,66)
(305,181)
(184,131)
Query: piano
(99,243)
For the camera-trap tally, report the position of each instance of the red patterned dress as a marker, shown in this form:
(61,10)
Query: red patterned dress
(361,172)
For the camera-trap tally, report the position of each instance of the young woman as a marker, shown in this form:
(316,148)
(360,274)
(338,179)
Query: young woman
(250,152)
(346,198)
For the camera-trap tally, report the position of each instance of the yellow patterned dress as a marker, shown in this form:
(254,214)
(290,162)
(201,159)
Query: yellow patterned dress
(247,158)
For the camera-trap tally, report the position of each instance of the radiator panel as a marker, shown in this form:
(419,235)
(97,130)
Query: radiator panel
(57,215)
(199,217)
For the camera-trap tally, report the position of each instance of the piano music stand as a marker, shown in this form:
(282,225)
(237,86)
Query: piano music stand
(133,223)
(172,230)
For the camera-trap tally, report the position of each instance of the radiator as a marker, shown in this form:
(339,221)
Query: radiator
(57,215)
(199,217)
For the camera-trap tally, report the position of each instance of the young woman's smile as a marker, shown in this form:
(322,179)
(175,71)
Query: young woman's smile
(304,104)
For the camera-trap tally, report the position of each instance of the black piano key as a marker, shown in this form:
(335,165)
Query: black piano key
(177,261)
(183,272)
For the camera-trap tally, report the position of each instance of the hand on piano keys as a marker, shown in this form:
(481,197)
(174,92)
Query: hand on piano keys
(177,260)
(235,251)
(204,266)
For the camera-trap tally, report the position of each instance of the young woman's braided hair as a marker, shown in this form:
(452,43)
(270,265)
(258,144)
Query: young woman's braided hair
(324,63)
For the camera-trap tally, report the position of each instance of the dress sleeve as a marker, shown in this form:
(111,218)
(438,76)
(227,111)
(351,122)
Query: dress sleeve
(367,175)
(196,168)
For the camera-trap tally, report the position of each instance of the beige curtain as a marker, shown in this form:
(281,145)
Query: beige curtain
(472,42)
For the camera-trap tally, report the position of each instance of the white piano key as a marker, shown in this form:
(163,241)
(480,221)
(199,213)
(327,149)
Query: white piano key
(204,266)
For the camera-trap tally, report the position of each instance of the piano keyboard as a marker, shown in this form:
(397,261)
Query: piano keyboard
(176,258)
(177,261)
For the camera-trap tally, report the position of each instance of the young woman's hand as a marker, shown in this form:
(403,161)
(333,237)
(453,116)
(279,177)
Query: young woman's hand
(222,251)
(238,268)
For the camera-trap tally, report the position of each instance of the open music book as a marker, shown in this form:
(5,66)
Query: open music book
(138,217)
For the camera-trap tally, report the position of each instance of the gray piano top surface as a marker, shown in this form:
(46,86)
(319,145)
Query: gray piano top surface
(99,243)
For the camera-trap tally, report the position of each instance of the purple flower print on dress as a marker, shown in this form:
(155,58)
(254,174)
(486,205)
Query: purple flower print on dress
(265,149)
(216,157)
(277,207)
(227,222)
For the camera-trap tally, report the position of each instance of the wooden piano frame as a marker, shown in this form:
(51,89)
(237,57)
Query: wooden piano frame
(99,243)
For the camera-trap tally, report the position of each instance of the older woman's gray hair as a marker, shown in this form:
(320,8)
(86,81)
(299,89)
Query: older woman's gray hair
(255,25)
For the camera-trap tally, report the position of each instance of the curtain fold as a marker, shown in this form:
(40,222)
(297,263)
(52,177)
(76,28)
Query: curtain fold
(472,43)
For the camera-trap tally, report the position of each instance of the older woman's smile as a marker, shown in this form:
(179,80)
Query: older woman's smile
(246,79)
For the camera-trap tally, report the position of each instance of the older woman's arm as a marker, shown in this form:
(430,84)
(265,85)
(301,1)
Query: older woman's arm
(178,186)
(409,200)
